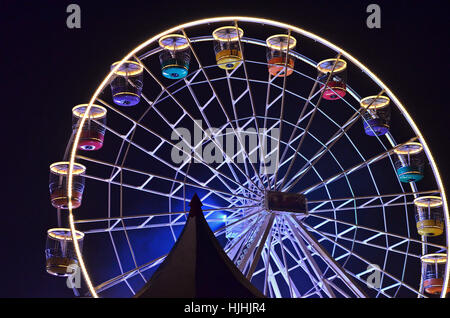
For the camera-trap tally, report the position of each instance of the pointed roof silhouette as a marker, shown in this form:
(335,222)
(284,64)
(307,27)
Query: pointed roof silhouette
(197,266)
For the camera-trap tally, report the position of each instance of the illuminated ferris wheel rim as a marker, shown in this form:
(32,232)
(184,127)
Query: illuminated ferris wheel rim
(292,28)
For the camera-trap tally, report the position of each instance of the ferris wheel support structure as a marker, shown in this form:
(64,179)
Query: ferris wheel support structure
(344,54)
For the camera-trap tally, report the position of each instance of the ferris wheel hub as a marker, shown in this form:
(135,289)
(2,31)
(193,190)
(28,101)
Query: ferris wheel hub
(276,201)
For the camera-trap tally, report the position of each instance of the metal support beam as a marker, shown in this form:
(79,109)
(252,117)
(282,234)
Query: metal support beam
(310,259)
(267,224)
(260,247)
(341,272)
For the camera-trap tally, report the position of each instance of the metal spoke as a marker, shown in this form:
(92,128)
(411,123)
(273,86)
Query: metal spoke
(151,153)
(379,232)
(311,95)
(252,103)
(305,132)
(194,97)
(197,124)
(224,111)
(331,142)
(133,272)
(157,176)
(261,244)
(341,272)
(354,168)
(363,259)
(309,258)
(283,97)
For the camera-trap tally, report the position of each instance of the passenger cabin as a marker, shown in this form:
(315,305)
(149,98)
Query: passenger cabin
(226,47)
(429,215)
(376,116)
(433,269)
(61,259)
(58,180)
(337,83)
(126,86)
(409,163)
(93,130)
(175,56)
(280,61)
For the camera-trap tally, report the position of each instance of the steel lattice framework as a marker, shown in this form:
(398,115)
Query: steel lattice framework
(331,250)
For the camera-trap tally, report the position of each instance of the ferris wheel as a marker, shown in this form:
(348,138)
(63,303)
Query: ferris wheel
(312,174)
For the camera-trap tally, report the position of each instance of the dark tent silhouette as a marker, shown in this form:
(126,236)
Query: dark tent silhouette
(197,266)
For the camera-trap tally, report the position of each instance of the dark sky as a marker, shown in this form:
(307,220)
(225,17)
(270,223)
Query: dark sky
(50,68)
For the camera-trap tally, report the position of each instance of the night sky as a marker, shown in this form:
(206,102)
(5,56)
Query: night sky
(50,68)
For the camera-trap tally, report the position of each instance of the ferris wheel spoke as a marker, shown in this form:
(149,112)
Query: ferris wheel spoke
(377,196)
(119,262)
(318,273)
(378,232)
(316,280)
(255,258)
(284,257)
(163,139)
(155,262)
(366,242)
(284,272)
(301,262)
(280,124)
(353,253)
(362,206)
(308,125)
(268,105)
(252,103)
(233,102)
(148,216)
(163,224)
(201,108)
(129,274)
(332,141)
(341,272)
(353,169)
(266,109)
(199,125)
(189,115)
(246,252)
(235,247)
(224,111)
(272,285)
(311,95)
(159,193)
(151,176)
